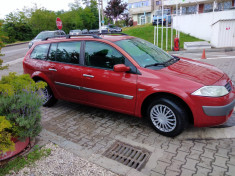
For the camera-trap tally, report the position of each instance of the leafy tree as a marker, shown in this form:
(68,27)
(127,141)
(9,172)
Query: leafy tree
(42,19)
(1,45)
(72,20)
(114,9)
(16,27)
(126,18)
(75,5)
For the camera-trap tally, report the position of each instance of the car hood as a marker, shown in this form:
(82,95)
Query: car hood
(194,70)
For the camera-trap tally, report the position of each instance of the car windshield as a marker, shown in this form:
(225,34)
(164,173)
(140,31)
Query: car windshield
(143,52)
(44,35)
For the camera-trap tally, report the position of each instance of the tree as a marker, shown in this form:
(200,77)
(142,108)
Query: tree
(42,19)
(16,27)
(126,18)
(114,9)
(75,5)
(1,45)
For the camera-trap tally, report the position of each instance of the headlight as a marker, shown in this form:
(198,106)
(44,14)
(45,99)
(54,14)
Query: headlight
(211,91)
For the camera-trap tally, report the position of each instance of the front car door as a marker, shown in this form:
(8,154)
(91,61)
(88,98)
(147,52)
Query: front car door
(101,85)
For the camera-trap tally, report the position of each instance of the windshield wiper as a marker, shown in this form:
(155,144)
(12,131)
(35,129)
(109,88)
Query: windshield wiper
(155,64)
(174,59)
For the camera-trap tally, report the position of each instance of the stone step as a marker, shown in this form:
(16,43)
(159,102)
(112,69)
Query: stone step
(196,45)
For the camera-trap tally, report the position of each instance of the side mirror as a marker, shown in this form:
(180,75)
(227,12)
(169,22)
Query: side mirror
(121,68)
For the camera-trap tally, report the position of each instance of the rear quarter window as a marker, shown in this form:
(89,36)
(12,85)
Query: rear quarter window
(40,52)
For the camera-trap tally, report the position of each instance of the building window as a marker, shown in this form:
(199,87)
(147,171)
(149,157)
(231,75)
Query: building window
(189,10)
(208,8)
(227,5)
(158,3)
(138,4)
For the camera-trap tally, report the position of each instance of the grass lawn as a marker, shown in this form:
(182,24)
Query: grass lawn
(146,32)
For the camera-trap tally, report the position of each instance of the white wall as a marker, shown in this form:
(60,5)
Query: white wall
(223,34)
(200,25)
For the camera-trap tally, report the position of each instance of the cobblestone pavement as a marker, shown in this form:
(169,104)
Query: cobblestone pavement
(89,132)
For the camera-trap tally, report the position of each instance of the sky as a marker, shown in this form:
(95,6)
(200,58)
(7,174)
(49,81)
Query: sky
(8,6)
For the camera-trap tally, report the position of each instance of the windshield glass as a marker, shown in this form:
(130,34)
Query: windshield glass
(44,35)
(143,52)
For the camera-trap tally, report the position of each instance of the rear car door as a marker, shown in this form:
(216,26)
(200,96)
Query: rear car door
(66,69)
(101,85)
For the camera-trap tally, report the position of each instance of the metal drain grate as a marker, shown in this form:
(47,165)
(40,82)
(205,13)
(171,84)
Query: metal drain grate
(128,155)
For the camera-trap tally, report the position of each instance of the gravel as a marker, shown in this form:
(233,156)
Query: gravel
(62,162)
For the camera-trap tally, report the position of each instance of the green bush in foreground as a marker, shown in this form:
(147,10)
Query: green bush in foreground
(5,136)
(20,104)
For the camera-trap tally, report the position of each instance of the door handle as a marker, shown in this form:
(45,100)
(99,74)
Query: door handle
(89,76)
(52,69)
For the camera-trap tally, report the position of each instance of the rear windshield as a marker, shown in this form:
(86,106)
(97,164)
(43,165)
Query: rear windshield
(143,52)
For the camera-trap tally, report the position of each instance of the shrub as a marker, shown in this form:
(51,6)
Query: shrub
(5,137)
(20,104)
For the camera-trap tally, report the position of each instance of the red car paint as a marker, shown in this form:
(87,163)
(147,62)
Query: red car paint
(180,79)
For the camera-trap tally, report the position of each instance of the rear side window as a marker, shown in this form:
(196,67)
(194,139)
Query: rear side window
(66,52)
(40,52)
(102,55)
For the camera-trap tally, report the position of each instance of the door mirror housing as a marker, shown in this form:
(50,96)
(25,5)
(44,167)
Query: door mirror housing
(121,68)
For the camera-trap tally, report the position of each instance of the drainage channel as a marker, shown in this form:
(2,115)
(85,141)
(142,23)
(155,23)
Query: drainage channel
(128,155)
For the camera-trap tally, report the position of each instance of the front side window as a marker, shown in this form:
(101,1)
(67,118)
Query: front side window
(143,52)
(102,55)
(40,52)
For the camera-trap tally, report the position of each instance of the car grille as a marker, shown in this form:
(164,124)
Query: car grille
(228,86)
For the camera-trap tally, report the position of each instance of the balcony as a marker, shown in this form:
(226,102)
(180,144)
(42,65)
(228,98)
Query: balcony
(138,10)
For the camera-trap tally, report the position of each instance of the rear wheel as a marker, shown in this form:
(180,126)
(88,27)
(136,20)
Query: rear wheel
(167,117)
(47,96)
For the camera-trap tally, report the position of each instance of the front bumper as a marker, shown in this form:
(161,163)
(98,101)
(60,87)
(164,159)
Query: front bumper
(219,110)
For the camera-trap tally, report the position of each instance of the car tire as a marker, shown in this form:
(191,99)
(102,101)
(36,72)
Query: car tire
(47,96)
(167,116)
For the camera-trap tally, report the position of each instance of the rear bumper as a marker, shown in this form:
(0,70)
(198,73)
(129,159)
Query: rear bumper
(219,110)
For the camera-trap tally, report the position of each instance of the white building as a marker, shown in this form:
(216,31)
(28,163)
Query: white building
(142,11)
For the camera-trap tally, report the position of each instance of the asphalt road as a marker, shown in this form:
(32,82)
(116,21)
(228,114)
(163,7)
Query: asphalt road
(12,53)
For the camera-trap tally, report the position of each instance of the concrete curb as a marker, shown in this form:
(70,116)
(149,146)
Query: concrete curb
(13,44)
(201,50)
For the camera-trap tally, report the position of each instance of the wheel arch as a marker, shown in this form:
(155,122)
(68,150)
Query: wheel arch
(157,95)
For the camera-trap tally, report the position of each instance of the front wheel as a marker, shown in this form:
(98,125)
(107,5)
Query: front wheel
(167,117)
(48,98)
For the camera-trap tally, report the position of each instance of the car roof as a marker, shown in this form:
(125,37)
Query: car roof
(111,38)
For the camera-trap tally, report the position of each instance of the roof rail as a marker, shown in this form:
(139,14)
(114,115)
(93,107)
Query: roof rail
(106,33)
(92,35)
(59,36)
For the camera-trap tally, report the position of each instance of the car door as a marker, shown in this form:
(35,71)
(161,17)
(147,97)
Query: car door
(66,69)
(101,85)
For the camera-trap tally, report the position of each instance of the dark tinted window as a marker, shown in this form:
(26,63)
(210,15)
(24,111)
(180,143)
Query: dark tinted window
(40,52)
(52,52)
(68,52)
(102,55)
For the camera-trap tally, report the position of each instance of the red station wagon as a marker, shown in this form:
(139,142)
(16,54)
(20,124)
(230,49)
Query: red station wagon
(130,75)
